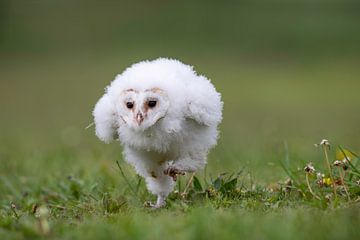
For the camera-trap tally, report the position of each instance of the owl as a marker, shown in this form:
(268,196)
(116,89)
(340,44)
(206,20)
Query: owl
(166,118)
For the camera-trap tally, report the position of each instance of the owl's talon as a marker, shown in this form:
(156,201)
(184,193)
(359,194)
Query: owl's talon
(160,202)
(151,205)
(173,172)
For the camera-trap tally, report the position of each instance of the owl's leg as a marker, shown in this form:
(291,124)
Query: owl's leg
(160,185)
(160,202)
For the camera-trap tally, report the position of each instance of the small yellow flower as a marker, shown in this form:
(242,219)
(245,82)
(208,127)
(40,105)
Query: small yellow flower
(327,181)
(211,192)
(344,155)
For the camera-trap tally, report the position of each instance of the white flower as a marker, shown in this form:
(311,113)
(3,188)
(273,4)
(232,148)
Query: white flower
(320,175)
(345,160)
(338,163)
(323,142)
(309,168)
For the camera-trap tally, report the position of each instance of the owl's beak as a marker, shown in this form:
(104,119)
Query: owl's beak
(139,118)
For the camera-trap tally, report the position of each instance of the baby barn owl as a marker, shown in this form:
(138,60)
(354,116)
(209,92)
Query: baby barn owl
(165,116)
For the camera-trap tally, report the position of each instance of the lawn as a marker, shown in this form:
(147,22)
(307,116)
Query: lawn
(288,72)
(57,181)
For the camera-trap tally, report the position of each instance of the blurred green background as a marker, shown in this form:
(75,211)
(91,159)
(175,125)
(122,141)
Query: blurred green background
(288,72)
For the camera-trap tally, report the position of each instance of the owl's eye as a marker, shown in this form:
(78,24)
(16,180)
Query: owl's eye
(129,105)
(152,103)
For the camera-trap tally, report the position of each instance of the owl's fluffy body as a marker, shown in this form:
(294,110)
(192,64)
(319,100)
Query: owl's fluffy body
(177,133)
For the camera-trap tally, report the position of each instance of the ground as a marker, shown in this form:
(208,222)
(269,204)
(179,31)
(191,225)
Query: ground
(57,181)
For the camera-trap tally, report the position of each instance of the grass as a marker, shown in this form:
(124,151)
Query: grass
(57,181)
(108,203)
(289,77)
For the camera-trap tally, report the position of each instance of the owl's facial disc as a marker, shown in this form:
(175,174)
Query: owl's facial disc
(143,109)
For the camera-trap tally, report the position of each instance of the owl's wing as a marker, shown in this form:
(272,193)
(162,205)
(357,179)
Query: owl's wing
(204,103)
(104,118)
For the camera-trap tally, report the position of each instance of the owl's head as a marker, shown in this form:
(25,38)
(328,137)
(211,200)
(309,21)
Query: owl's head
(143,95)
(136,109)
(141,109)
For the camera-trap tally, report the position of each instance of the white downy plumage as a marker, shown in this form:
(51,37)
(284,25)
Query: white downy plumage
(166,118)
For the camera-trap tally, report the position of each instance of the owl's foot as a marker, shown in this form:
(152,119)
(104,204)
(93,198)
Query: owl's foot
(149,204)
(173,172)
(159,203)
